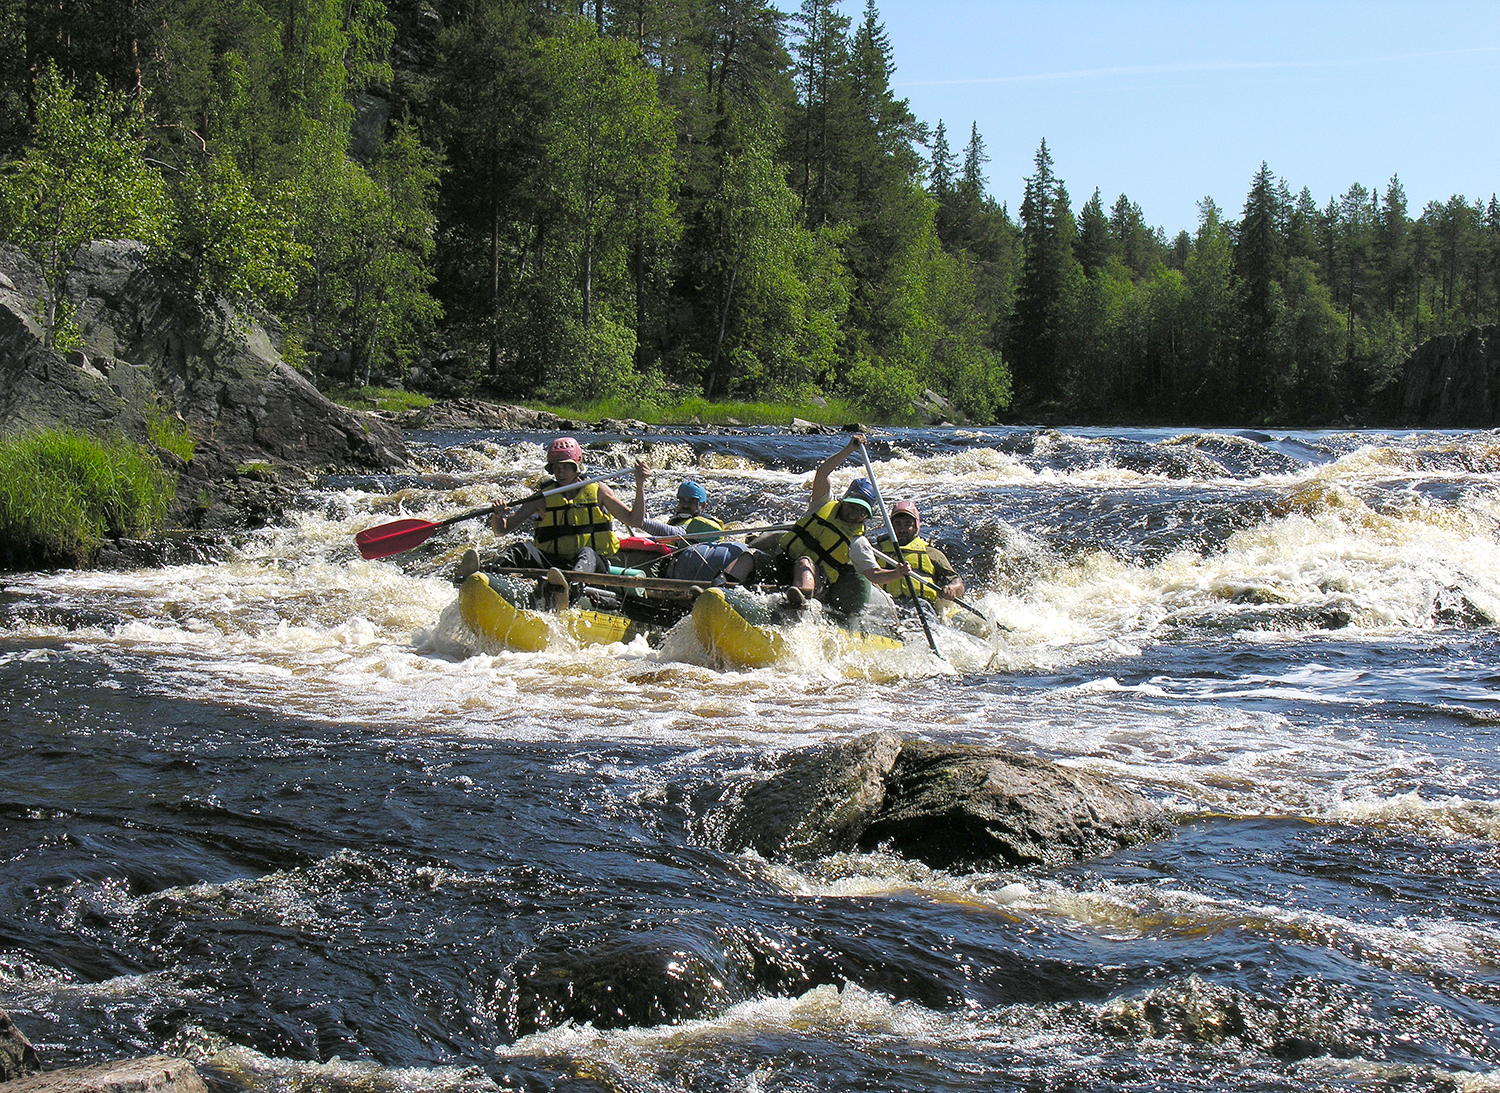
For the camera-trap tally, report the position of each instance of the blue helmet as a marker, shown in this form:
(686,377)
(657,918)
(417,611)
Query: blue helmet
(690,490)
(861,492)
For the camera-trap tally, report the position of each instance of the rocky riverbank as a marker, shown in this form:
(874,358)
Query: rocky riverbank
(149,354)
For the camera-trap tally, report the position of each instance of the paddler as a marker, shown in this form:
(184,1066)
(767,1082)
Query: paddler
(702,557)
(690,516)
(831,559)
(574,530)
(942,580)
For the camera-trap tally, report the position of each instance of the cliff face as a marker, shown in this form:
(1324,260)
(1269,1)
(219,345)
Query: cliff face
(151,352)
(1453,382)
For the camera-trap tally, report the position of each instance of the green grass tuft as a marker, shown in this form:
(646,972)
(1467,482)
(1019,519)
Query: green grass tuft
(62,494)
(377,398)
(171,434)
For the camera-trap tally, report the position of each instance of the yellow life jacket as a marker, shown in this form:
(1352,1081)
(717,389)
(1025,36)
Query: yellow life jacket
(824,539)
(573,521)
(695,524)
(915,555)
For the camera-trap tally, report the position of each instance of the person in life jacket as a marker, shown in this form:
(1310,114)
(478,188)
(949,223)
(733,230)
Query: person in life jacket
(831,560)
(574,530)
(689,516)
(698,556)
(942,580)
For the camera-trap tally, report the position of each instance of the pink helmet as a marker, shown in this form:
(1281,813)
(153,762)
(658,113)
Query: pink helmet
(908,508)
(565,450)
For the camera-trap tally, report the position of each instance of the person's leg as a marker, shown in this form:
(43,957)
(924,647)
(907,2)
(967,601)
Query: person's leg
(847,596)
(589,560)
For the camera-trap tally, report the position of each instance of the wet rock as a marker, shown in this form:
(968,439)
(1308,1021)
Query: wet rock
(153,1074)
(1313,1018)
(1265,616)
(1194,1011)
(472,413)
(18,611)
(957,805)
(820,802)
(945,805)
(17,1057)
(633,979)
(179,548)
(1166,461)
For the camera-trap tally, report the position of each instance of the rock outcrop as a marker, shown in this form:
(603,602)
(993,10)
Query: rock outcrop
(17,1057)
(153,1074)
(151,352)
(950,806)
(1453,382)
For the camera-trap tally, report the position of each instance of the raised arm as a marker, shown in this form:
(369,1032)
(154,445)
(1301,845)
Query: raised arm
(826,468)
(635,516)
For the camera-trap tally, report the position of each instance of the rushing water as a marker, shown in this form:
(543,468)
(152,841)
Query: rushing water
(280,813)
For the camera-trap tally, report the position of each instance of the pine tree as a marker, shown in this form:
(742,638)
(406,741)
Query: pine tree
(1036,322)
(1259,259)
(1095,243)
(1392,247)
(822,53)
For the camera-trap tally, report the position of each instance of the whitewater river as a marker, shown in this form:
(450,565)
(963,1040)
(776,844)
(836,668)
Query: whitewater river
(278,812)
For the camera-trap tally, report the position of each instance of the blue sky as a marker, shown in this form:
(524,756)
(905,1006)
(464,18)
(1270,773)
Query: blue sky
(1169,102)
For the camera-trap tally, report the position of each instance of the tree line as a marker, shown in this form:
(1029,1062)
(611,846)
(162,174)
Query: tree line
(568,199)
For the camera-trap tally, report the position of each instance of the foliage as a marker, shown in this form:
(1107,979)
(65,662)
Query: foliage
(233,243)
(660,200)
(607,148)
(170,434)
(84,176)
(666,408)
(62,494)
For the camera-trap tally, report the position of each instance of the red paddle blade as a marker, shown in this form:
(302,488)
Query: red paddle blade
(393,538)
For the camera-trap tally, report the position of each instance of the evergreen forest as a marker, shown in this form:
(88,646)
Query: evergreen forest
(569,200)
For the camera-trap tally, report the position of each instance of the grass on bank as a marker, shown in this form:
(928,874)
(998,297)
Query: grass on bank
(686,410)
(697,410)
(62,493)
(376,398)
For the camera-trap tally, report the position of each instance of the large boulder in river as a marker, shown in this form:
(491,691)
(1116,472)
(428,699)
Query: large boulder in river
(948,805)
(151,350)
(1453,382)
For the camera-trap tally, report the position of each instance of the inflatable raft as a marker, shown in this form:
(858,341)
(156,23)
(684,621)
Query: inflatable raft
(736,642)
(491,615)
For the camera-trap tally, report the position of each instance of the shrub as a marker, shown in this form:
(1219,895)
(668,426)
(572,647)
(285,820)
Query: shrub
(62,494)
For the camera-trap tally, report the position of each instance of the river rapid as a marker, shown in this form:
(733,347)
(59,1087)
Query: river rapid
(280,813)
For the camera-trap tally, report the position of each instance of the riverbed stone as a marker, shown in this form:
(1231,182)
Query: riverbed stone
(17,1057)
(819,802)
(152,1074)
(947,805)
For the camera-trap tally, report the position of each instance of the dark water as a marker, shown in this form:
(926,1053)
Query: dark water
(285,816)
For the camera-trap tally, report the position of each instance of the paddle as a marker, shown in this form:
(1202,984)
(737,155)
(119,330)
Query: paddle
(623,580)
(890,529)
(402,535)
(720,534)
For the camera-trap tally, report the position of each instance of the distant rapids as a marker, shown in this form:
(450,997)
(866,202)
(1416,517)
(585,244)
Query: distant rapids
(282,814)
